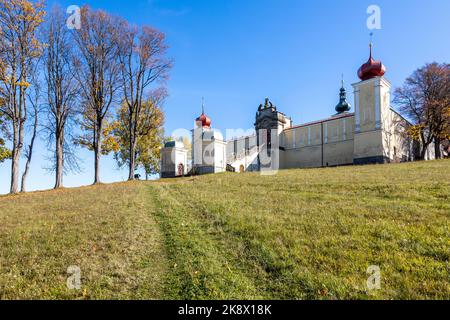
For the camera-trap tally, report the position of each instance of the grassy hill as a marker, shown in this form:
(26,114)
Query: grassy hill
(300,234)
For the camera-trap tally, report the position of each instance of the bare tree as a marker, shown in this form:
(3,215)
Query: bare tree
(34,101)
(34,98)
(62,90)
(425,100)
(19,48)
(97,72)
(142,56)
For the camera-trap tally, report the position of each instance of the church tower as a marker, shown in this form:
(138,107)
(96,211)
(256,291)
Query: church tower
(208,147)
(372,113)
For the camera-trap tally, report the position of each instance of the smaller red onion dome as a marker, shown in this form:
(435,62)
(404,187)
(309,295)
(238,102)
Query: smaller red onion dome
(203,121)
(371,69)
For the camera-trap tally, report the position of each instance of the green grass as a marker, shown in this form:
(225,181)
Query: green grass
(300,234)
(105,230)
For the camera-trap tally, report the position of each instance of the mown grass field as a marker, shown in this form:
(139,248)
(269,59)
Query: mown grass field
(300,234)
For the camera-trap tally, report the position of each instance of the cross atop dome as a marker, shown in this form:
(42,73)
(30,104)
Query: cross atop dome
(372,68)
(343,105)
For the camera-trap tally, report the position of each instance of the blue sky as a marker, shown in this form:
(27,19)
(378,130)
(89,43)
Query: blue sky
(237,52)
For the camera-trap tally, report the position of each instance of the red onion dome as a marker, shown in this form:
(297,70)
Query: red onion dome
(203,121)
(371,69)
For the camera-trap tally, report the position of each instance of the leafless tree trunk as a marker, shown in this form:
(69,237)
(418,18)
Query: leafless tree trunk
(98,148)
(132,164)
(426,140)
(437,148)
(16,153)
(19,117)
(29,151)
(59,153)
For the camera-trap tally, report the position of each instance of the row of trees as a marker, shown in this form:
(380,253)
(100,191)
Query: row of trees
(425,100)
(99,87)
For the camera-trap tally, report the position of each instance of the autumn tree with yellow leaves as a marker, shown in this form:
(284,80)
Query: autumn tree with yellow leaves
(19,49)
(143,63)
(5,153)
(425,100)
(87,139)
(149,135)
(97,70)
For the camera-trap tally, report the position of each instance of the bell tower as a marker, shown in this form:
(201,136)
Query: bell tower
(208,147)
(372,110)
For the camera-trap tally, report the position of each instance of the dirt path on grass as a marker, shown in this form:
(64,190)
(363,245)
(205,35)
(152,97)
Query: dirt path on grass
(201,265)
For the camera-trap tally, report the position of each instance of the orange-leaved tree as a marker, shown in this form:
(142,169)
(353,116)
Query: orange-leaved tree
(88,138)
(149,135)
(143,62)
(5,153)
(425,100)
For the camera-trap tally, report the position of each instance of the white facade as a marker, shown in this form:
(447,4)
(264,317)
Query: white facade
(174,160)
(208,151)
(242,154)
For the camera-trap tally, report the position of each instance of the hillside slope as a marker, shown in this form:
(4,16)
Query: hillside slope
(104,230)
(300,234)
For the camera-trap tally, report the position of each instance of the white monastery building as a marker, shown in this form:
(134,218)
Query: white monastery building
(373,134)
